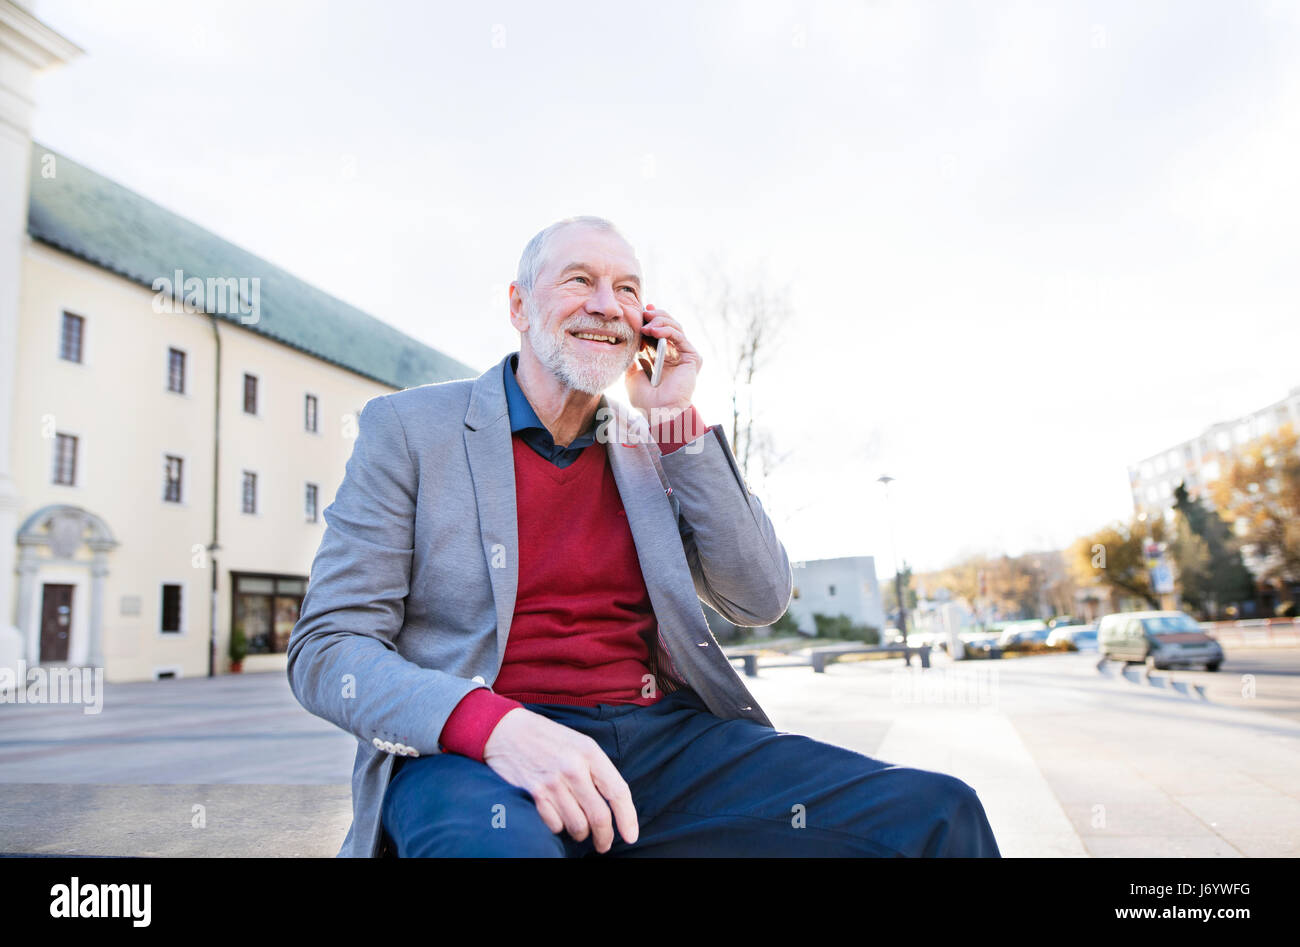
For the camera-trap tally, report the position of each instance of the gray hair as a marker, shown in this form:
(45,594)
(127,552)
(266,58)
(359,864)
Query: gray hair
(530,264)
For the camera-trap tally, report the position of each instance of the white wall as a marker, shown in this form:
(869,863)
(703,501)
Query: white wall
(856,591)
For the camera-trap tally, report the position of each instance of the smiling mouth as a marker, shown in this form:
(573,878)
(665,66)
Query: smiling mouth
(597,337)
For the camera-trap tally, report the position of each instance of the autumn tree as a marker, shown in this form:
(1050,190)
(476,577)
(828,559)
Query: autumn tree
(1114,556)
(1013,585)
(1259,494)
(960,579)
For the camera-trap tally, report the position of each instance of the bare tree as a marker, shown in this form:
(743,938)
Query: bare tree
(742,316)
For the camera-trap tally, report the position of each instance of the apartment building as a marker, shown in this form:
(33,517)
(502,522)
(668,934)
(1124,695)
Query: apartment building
(1200,461)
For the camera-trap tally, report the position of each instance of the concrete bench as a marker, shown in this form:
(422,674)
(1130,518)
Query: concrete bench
(824,656)
(820,657)
(751,662)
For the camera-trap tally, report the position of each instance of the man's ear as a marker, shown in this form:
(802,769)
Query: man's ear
(517,317)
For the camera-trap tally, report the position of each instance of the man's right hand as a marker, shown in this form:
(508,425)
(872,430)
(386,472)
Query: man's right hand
(567,774)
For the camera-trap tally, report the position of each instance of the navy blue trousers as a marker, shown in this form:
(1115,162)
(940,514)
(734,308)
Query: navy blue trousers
(702,786)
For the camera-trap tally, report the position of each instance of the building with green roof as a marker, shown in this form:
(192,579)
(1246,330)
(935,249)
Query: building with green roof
(100,221)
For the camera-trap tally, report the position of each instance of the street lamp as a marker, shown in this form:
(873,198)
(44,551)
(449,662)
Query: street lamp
(898,575)
(213,548)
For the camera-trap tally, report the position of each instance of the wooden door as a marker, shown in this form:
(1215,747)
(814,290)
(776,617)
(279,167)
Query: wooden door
(56,622)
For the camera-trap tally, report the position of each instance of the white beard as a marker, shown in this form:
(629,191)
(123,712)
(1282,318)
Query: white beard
(592,372)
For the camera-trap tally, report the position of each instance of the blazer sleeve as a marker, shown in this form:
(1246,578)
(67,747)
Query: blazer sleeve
(739,566)
(343,664)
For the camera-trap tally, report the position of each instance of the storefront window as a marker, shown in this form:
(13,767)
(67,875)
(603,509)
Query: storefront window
(268,607)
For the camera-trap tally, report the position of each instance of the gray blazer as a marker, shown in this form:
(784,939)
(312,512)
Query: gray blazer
(413,587)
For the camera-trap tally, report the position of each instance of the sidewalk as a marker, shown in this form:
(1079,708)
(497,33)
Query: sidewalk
(882,710)
(270,778)
(1067,761)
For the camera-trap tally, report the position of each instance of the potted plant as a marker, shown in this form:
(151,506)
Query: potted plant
(238,648)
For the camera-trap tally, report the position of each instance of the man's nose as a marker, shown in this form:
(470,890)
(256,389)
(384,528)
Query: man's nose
(605,302)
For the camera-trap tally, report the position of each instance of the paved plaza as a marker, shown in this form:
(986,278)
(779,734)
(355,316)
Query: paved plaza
(1069,761)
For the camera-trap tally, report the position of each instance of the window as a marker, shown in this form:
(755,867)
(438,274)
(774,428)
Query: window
(70,343)
(795,593)
(171,609)
(311,503)
(250,394)
(172,479)
(250,492)
(266,608)
(310,410)
(176,371)
(65,459)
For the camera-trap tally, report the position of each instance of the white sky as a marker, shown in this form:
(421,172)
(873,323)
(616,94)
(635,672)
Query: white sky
(1029,244)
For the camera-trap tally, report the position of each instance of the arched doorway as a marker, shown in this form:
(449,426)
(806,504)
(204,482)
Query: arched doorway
(61,595)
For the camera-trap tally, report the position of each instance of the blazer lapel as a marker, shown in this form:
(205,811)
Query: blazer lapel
(492,469)
(650,517)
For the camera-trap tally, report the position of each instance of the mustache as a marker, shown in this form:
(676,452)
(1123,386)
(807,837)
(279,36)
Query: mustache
(604,328)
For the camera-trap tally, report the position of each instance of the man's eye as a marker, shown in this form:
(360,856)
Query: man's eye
(580,277)
(631,289)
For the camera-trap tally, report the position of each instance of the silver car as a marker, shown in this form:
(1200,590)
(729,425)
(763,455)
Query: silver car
(1083,637)
(1158,639)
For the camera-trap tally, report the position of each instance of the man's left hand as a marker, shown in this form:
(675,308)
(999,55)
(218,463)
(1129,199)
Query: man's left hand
(682,363)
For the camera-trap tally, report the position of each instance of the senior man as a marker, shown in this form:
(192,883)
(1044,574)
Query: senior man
(504,610)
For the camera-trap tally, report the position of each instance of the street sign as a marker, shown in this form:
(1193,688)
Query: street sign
(1162,578)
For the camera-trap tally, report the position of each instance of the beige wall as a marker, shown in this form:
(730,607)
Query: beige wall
(118,405)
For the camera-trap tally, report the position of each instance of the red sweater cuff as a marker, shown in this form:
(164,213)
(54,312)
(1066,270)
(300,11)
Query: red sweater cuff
(677,432)
(472,721)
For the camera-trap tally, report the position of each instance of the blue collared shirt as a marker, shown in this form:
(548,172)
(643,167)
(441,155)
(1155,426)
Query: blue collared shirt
(531,429)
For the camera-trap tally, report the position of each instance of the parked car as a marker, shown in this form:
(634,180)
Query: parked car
(979,643)
(1158,639)
(1022,633)
(1082,637)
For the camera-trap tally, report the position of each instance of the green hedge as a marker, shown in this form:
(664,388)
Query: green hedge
(841,626)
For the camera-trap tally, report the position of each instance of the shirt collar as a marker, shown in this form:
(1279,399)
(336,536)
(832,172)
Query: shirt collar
(522,415)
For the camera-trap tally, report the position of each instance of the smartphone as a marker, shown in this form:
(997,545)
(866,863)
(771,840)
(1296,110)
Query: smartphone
(655,371)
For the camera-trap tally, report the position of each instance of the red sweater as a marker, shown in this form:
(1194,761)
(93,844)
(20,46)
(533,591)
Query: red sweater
(583,627)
